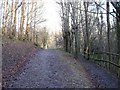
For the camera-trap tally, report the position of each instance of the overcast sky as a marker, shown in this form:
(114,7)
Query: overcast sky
(52,16)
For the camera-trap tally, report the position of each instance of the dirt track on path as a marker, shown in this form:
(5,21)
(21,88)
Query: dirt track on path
(52,69)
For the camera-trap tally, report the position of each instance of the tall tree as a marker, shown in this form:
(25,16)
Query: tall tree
(6,19)
(21,32)
(116,5)
(65,24)
(15,17)
(27,29)
(108,30)
(34,30)
(31,21)
(11,20)
(87,44)
(74,17)
(101,31)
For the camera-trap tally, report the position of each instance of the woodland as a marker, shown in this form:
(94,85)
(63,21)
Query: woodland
(93,30)
(90,29)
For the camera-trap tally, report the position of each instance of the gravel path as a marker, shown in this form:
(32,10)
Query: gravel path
(100,76)
(52,69)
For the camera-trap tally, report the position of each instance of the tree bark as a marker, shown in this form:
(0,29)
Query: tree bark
(108,31)
(34,31)
(87,31)
(15,17)
(6,19)
(11,21)
(27,29)
(22,21)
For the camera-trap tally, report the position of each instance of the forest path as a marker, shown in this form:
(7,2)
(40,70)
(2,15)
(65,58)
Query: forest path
(52,69)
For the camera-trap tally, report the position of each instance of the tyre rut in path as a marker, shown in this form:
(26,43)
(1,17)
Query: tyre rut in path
(52,69)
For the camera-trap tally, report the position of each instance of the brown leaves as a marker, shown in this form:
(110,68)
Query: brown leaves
(15,55)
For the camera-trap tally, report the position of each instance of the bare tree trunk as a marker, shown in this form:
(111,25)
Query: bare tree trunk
(15,17)
(34,31)
(76,33)
(67,28)
(118,38)
(118,30)
(116,6)
(108,30)
(100,37)
(27,29)
(22,21)
(6,19)
(76,42)
(3,20)
(87,31)
(31,21)
(11,21)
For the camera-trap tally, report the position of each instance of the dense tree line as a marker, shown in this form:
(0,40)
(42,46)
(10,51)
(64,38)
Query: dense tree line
(21,20)
(91,29)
